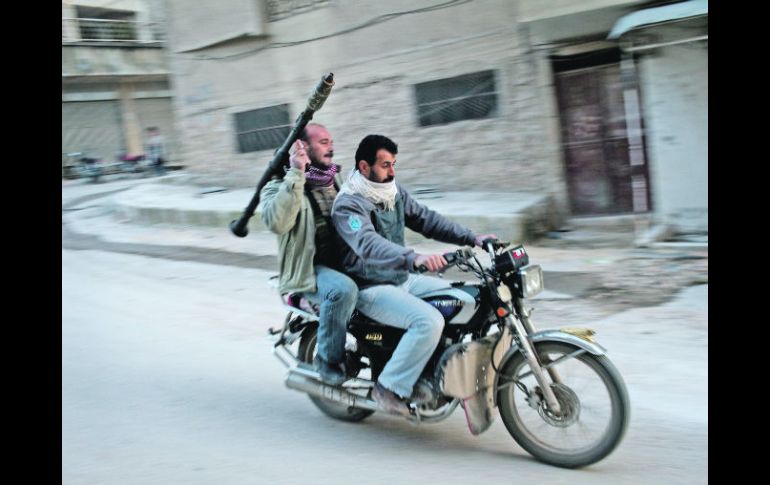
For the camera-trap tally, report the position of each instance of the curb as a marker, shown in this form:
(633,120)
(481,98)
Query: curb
(513,217)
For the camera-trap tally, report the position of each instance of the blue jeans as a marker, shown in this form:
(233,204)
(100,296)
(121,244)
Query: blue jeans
(336,294)
(399,306)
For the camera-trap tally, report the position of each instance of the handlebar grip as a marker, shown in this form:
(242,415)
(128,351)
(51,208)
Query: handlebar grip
(496,243)
(450,258)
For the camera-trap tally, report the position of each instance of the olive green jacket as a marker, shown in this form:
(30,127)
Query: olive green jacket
(286,211)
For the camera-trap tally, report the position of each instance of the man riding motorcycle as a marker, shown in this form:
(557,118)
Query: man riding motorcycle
(370,214)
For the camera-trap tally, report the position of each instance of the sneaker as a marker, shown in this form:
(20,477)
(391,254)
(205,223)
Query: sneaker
(388,400)
(331,374)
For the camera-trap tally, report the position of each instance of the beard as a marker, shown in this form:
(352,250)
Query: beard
(373,178)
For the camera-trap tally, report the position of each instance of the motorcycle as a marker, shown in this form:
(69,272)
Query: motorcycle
(130,163)
(559,396)
(82,165)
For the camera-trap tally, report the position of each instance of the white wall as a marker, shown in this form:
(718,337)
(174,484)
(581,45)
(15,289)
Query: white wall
(376,67)
(675,101)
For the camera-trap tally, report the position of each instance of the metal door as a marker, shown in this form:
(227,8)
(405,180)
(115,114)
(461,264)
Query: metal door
(92,127)
(606,173)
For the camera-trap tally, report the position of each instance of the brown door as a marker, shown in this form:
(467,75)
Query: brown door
(601,135)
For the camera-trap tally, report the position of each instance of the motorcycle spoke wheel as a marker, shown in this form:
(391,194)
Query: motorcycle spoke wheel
(593,398)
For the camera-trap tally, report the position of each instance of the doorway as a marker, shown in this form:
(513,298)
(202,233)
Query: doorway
(602,137)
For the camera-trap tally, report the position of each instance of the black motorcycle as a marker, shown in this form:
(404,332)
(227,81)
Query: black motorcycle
(558,394)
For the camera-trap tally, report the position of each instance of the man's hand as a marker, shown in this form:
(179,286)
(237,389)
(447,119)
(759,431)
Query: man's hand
(480,239)
(434,262)
(298,157)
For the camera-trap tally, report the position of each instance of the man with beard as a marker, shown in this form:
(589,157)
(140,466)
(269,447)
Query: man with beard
(297,208)
(370,214)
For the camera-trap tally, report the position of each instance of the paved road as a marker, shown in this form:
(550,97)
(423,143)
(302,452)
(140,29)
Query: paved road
(167,377)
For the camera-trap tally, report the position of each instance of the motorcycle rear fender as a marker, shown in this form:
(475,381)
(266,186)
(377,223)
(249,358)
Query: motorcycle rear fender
(550,336)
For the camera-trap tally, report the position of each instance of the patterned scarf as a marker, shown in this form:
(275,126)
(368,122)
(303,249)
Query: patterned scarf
(375,192)
(321,177)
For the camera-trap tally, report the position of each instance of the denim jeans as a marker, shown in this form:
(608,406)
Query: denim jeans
(399,306)
(336,294)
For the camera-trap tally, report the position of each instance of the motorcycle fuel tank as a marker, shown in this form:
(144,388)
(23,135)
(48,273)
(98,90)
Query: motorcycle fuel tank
(457,304)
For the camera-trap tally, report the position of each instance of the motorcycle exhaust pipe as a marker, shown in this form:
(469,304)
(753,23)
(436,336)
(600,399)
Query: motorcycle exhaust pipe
(298,381)
(304,379)
(285,356)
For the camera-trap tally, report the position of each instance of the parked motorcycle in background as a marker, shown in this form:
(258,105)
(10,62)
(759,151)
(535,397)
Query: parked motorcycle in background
(558,394)
(131,163)
(84,165)
(92,168)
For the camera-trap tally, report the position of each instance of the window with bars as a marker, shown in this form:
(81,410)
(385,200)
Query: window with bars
(465,97)
(97,24)
(262,129)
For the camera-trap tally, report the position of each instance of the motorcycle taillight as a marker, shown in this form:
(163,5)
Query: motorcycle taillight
(511,260)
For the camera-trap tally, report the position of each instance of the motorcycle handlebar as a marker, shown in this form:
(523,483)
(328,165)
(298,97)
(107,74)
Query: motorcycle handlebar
(451,258)
(464,253)
(496,243)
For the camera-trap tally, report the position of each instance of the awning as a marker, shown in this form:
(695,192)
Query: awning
(657,15)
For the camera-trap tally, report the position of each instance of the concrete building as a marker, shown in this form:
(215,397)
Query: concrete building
(115,77)
(494,95)
(670,45)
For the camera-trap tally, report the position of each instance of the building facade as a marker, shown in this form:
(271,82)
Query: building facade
(116,81)
(493,95)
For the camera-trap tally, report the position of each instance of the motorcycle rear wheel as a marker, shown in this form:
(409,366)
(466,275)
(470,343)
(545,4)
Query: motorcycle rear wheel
(306,352)
(592,395)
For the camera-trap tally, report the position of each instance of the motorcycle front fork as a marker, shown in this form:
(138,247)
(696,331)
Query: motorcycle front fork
(523,328)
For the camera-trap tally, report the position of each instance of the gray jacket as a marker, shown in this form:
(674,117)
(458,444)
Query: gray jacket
(373,239)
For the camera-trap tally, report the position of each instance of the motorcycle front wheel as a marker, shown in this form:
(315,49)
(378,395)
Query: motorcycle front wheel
(593,399)
(307,351)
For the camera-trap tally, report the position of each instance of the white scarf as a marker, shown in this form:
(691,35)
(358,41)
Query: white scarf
(375,192)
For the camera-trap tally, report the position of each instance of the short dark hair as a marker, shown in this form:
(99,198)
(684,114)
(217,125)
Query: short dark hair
(370,145)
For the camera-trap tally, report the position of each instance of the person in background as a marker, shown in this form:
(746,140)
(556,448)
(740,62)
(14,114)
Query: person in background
(155,150)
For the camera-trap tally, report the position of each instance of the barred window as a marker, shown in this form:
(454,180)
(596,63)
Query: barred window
(262,129)
(96,23)
(465,97)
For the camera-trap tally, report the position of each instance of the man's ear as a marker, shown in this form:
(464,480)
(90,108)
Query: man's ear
(364,167)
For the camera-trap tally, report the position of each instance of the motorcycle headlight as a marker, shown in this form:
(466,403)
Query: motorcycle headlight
(529,281)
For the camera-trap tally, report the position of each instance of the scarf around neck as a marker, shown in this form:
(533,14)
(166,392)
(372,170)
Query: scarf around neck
(321,177)
(376,193)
